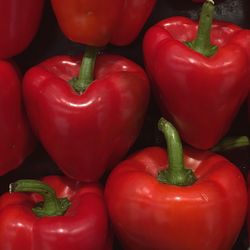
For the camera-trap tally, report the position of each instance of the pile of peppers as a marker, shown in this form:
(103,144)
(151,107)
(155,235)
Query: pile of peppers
(124,125)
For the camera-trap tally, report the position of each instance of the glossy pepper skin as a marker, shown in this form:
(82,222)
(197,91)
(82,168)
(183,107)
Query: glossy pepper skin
(19,23)
(97,23)
(17,141)
(201,95)
(86,133)
(149,214)
(85,224)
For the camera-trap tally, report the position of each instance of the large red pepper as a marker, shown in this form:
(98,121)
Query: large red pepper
(16,140)
(71,216)
(192,200)
(96,23)
(19,23)
(86,129)
(199,85)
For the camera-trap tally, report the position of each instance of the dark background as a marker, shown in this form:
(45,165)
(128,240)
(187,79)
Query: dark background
(50,41)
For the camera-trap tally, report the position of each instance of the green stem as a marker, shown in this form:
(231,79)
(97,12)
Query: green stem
(202,43)
(86,72)
(51,205)
(231,143)
(176,173)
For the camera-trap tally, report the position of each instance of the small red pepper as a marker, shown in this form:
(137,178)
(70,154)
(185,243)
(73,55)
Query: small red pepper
(71,216)
(199,85)
(16,139)
(86,128)
(97,23)
(19,23)
(183,199)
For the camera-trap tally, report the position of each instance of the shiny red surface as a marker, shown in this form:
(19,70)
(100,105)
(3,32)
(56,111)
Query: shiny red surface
(147,214)
(86,134)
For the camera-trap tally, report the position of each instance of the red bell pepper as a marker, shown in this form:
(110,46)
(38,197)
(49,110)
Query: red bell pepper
(96,23)
(86,129)
(16,139)
(199,85)
(183,199)
(71,216)
(19,23)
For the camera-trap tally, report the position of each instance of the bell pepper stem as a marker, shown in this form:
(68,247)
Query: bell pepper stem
(86,73)
(202,43)
(50,206)
(176,173)
(231,142)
